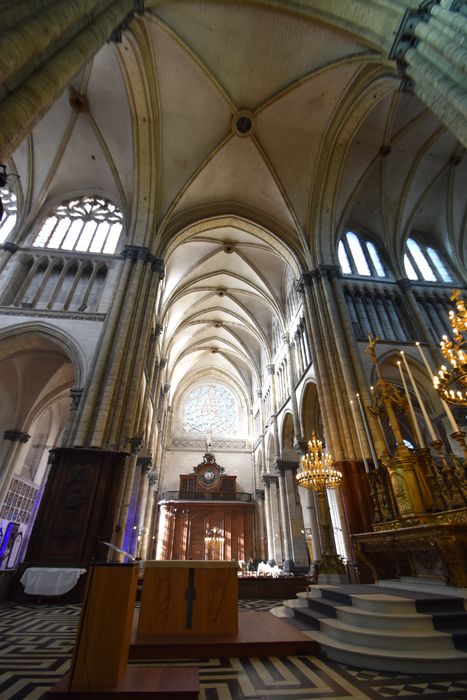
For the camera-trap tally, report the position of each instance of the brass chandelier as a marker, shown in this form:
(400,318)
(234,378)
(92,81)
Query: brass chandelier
(451,384)
(317,470)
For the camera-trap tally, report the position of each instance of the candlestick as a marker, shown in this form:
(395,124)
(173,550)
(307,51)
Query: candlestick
(419,399)
(367,432)
(365,461)
(382,433)
(412,412)
(446,408)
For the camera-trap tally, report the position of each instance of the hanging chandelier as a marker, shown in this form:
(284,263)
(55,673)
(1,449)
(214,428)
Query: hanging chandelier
(317,470)
(451,384)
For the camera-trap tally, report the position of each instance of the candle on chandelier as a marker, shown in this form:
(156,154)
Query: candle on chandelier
(446,408)
(365,461)
(419,399)
(411,409)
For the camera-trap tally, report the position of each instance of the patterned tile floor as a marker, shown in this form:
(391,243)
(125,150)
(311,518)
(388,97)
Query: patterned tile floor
(36,643)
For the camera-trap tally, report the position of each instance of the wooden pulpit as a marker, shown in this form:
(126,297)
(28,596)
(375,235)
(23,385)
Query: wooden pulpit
(101,651)
(189,597)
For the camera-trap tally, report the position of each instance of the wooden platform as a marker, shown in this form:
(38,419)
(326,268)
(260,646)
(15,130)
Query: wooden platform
(259,634)
(264,587)
(138,684)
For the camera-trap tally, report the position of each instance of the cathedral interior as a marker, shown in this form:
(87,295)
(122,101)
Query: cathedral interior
(229,228)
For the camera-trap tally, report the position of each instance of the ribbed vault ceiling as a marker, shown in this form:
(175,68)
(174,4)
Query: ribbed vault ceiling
(149,124)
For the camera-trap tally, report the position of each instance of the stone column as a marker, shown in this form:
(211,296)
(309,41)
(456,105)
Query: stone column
(311,508)
(318,358)
(147,515)
(261,537)
(138,519)
(124,506)
(32,93)
(272,378)
(267,514)
(293,397)
(295,543)
(435,62)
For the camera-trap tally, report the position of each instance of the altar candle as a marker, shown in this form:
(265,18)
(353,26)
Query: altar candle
(367,432)
(412,412)
(419,399)
(447,410)
(365,461)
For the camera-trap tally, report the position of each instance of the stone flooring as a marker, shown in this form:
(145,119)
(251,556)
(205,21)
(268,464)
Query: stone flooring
(36,642)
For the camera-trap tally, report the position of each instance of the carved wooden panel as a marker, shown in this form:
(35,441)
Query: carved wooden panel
(77,509)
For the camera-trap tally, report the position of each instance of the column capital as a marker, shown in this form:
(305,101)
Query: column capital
(158,266)
(145,462)
(158,329)
(136,443)
(16,436)
(75,397)
(137,252)
(268,479)
(305,280)
(259,393)
(285,338)
(283,465)
(163,362)
(325,272)
(10,247)
(270,368)
(404,284)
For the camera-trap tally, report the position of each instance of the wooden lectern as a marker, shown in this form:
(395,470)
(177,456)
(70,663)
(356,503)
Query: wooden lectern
(189,597)
(99,667)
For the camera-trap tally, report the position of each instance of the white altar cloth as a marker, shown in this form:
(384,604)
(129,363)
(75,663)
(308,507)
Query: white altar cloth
(48,581)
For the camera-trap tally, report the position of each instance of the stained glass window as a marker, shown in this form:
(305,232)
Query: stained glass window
(210,407)
(358,256)
(424,263)
(88,224)
(9,212)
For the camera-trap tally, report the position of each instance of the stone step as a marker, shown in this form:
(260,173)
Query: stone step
(400,640)
(384,621)
(384,603)
(406,661)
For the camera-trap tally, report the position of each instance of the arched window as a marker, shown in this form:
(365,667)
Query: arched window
(423,262)
(210,407)
(8,221)
(87,224)
(359,256)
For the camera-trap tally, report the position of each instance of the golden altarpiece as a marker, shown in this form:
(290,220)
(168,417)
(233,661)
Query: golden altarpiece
(419,495)
(207,519)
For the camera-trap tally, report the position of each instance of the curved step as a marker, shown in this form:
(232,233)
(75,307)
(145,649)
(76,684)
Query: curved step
(384,621)
(413,661)
(384,603)
(400,641)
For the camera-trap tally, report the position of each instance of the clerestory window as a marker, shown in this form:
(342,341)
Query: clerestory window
(210,407)
(359,256)
(87,224)
(8,221)
(423,262)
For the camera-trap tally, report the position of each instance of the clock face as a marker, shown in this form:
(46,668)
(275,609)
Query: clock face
(208,478)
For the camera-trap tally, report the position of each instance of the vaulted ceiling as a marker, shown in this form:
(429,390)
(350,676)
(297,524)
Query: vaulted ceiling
(239,142)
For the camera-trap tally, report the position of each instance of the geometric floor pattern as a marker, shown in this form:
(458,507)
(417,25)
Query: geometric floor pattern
(36,642)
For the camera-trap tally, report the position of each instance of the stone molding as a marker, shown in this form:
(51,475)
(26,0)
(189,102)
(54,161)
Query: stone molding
(16,436)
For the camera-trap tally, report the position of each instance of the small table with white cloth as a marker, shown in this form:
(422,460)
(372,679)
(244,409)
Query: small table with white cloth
(50,581)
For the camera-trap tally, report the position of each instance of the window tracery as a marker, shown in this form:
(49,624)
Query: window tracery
(423,262)
(358,256)
(10,211)
(85,224)
(210,407)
